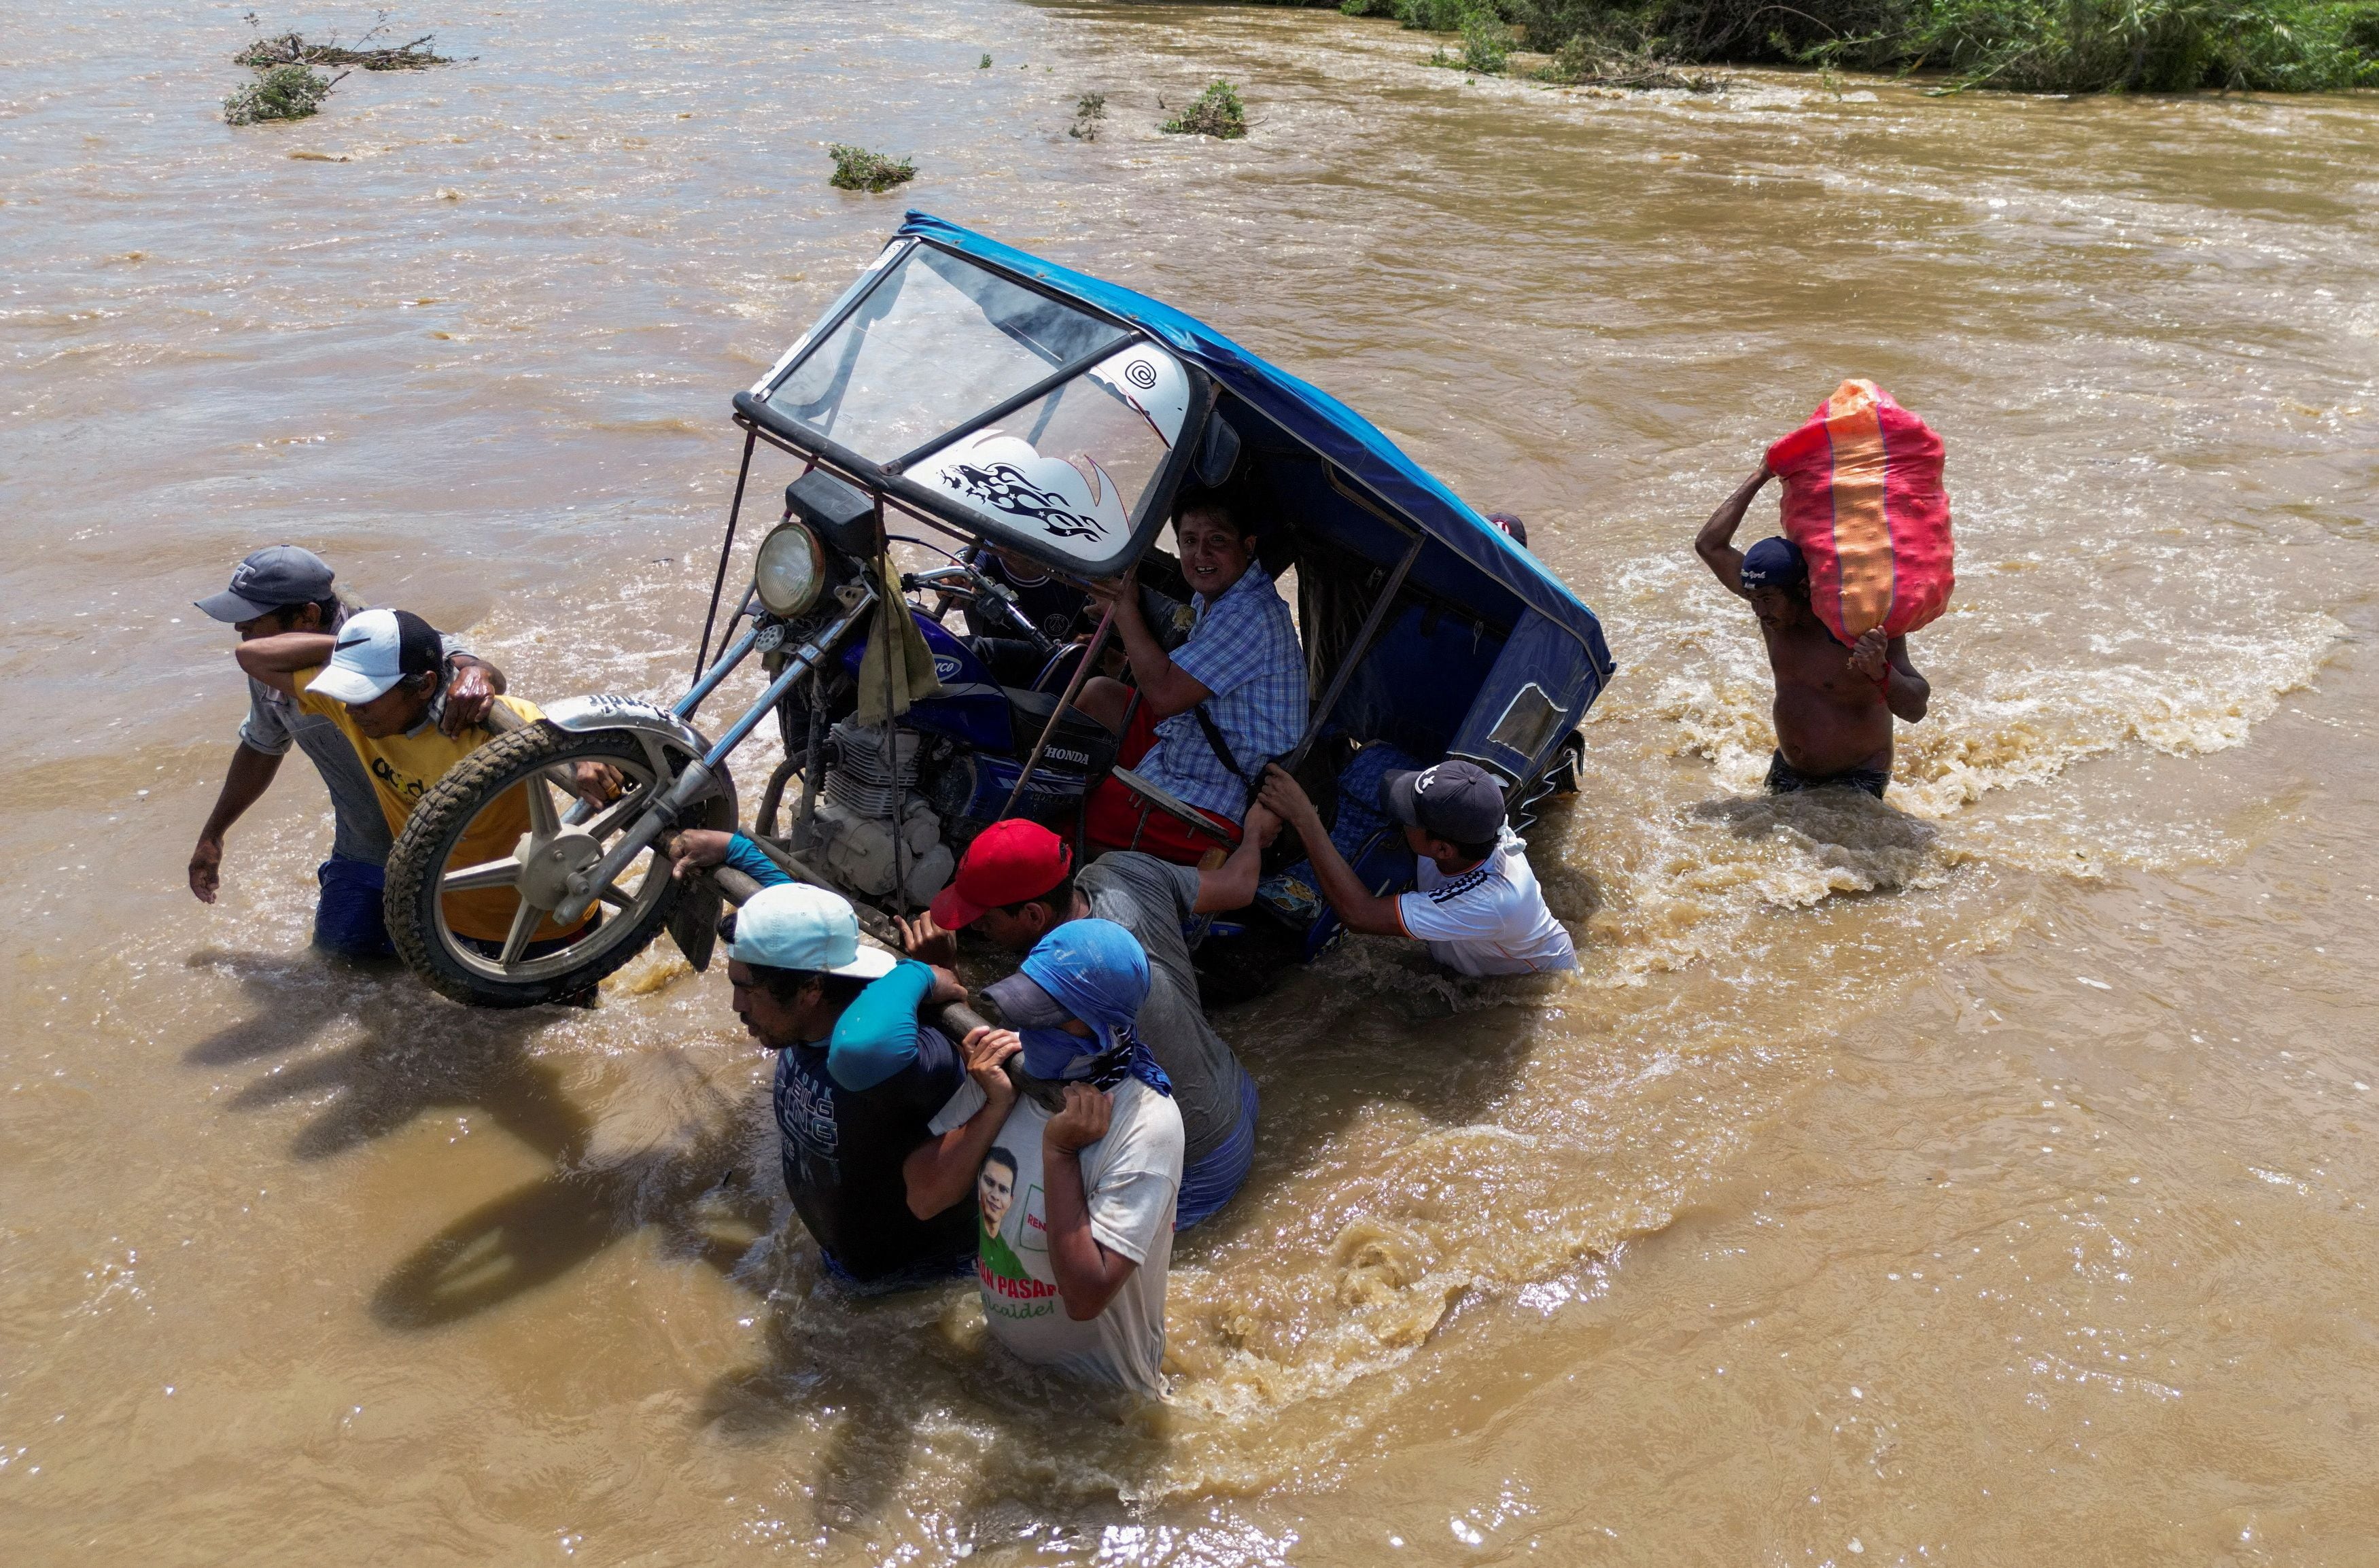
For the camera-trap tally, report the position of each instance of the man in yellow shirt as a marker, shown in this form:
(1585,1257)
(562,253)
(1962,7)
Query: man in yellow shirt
(379,680)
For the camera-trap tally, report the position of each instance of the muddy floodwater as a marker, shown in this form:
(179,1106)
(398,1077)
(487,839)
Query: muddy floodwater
(1986,1177)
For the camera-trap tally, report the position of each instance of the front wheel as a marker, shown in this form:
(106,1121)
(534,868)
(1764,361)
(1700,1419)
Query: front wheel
(485,855)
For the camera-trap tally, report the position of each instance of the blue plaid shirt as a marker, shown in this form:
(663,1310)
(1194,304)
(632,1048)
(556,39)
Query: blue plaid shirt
(1243,649)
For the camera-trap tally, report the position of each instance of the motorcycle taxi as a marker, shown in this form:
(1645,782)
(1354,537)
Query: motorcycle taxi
(960,395)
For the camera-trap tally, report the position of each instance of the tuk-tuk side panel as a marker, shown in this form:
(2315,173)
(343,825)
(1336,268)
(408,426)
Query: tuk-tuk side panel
(1420,682)
(1539,688)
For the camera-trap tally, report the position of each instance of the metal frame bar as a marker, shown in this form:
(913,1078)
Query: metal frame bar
(1372,622)
(726,551)
(1008,405)
(781,430)
(1058,715)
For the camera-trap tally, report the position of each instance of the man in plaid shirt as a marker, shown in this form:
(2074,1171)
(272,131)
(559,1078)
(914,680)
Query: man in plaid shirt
(1242,666)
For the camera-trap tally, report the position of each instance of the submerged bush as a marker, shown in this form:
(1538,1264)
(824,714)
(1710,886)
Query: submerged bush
(2027,45)
(1486,43)
(284,92)
(1090,112)
(1218,112)
(855,168)
(2145,45)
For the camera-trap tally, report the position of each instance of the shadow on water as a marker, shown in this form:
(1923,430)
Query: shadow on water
(412,1055)
(678,1170)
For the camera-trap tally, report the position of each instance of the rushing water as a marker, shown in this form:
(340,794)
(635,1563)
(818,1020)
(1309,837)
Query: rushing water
(1985,1179)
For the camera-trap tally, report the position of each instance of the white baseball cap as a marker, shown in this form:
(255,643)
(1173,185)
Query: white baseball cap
(797,926)
(375,650)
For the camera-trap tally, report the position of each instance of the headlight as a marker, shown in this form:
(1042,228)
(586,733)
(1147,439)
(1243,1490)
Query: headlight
(789,570)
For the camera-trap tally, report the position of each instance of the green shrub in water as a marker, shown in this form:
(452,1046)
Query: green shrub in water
(284,92)
(1218,112)
(1486,43)
(2026,45)
(2148,45)
(855,168)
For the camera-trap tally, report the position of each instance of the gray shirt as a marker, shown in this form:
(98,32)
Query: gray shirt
(1150,898)
(275,722)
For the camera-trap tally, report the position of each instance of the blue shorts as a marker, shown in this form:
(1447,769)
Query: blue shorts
(1215,1180)
(347,921)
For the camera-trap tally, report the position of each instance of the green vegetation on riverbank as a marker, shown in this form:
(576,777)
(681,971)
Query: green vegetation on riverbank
(2024,45)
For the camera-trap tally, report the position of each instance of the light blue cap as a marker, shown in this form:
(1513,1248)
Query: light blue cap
(799,926)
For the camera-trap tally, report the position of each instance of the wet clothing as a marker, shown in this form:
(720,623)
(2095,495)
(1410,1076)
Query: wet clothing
(1243,648)
(1131,1179)
(1489,920)
(1214,1181)
(753,860)
(348,921)
(850,1109)
(403,768)
(1153,901)
(1783,778)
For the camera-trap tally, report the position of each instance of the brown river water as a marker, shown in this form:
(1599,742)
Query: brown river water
(1983,1178)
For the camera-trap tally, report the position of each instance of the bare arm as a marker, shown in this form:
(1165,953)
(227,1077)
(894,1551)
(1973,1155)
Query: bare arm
(1906,693)
(245,781)
(1715,543)
(1088,1273)
(938,1172)
(276,660)
(1232,885)
(1164,685)
(1358,907)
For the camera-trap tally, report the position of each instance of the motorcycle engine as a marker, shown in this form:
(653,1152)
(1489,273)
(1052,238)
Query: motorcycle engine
(853,834)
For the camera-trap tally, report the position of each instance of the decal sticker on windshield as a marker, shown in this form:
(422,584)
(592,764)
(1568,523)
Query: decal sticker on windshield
(1073,504)
(1153,382)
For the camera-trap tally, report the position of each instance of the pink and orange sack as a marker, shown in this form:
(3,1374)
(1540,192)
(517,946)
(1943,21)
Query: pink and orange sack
(1863,499)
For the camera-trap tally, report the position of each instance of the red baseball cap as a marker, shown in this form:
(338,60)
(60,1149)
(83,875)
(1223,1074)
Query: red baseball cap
(1009,863)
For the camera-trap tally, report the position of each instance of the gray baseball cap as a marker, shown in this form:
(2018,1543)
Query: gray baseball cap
(274,576)
(1457,800)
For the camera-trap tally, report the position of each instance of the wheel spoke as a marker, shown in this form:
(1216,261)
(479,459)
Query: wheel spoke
(543,821)
(525,921)
(504,873)
(612,896)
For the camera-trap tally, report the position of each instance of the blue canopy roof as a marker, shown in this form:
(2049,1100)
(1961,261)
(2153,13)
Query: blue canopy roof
(1332,431)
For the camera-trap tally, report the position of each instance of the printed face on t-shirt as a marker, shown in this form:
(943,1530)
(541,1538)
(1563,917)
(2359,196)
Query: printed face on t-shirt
(995,1188)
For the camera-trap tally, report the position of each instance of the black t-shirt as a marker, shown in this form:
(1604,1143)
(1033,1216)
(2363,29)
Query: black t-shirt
(1062,612)
(843,1149)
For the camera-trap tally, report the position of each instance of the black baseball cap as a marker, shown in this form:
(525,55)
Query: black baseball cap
(1457,800)
(274,577)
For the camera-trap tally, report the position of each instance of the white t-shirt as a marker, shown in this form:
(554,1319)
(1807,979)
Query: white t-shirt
(1490,919)
(1131,1177)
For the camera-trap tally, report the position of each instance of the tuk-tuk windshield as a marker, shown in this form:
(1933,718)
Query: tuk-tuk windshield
(935,341)
(938,342)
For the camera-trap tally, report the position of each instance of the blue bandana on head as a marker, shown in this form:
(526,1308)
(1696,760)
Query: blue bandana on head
(1097,972)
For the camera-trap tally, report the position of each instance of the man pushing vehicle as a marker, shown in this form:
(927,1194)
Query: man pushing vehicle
(382,683)
(285,588)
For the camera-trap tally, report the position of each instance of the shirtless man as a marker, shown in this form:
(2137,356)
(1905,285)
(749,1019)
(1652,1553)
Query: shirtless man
(1834,706)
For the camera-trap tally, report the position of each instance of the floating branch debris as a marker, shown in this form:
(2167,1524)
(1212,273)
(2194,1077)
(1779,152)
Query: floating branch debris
(855,168)
(293,49)
(1218,112)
